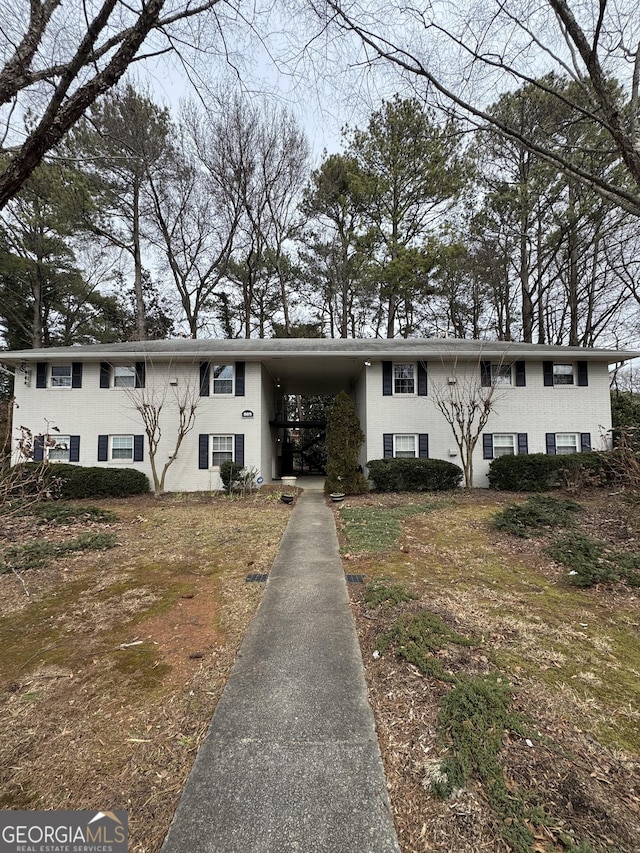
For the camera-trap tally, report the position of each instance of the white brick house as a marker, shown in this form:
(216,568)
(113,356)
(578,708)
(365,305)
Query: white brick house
(548,399)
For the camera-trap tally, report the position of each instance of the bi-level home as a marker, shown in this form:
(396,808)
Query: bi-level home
(546,399)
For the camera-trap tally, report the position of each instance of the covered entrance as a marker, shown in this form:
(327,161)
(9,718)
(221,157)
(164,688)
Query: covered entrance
(302,447)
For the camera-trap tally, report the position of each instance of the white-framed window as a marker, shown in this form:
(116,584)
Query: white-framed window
(563,374)
(504,444)
(61,376)
(121,448)
(59,452)
(124,376)
(567,442)
(501,374)
(221,449)
(222,375)
(404,379)
(405,446)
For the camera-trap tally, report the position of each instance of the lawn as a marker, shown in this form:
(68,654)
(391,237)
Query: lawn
(507,698)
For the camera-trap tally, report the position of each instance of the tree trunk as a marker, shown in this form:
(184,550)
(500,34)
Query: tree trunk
(141,321)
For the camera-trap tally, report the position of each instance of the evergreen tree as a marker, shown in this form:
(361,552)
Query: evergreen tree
(344,439)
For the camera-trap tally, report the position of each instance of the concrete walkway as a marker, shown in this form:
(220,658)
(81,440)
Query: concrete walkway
(291,761)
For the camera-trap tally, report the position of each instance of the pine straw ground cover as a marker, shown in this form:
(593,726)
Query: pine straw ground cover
(507,699)
(112,664)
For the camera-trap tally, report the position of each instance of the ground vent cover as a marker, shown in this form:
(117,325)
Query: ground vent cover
(354,578)
(256,577)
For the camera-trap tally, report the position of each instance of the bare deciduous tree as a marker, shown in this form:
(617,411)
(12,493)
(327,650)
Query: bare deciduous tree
(464,56)
(61,56)
(152,403)
(466,400)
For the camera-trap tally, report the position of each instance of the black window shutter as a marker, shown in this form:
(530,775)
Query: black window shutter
(103,448)
(485,374)
(583,373)
(203,451)
(551,443)
(76,374)
(423,446)
(238,449)
(387,445)
(521,374)
(523,443)
(387,379)
(204,380)
(105,374)
(585,442)
(41,374)
(547,373)
(38,449)
(487,445)
(240,378)
(138,448)
(74,448)
(141,374)
(422,379)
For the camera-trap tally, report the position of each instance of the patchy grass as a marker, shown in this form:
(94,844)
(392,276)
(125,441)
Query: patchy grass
(61,512)
(593,561)
(374,529)
(553,676)
(537,514)
(382,591)
(110,668)
(419,638)
(41,552)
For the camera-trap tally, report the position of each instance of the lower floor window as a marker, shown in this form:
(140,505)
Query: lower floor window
(59,452)
(122,447)
(404,446)
(504,444)
(221,449)
(566,442)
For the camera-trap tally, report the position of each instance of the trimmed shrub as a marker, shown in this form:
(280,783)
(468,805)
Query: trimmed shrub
(77,482)
(414,475)
(539,472)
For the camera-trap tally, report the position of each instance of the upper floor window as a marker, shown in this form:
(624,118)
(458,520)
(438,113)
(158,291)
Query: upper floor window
(404,379)
(61,376)
(124,376)
(501,374)
(222,378)
(493,373)
(563,374)
(131,375)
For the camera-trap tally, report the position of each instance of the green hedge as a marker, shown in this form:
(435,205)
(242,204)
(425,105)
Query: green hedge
(72,482)
(413,475)
(538,472)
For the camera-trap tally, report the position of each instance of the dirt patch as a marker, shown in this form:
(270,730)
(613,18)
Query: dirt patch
(111,667)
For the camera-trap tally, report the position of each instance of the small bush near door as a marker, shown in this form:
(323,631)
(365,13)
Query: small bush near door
(414,475)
